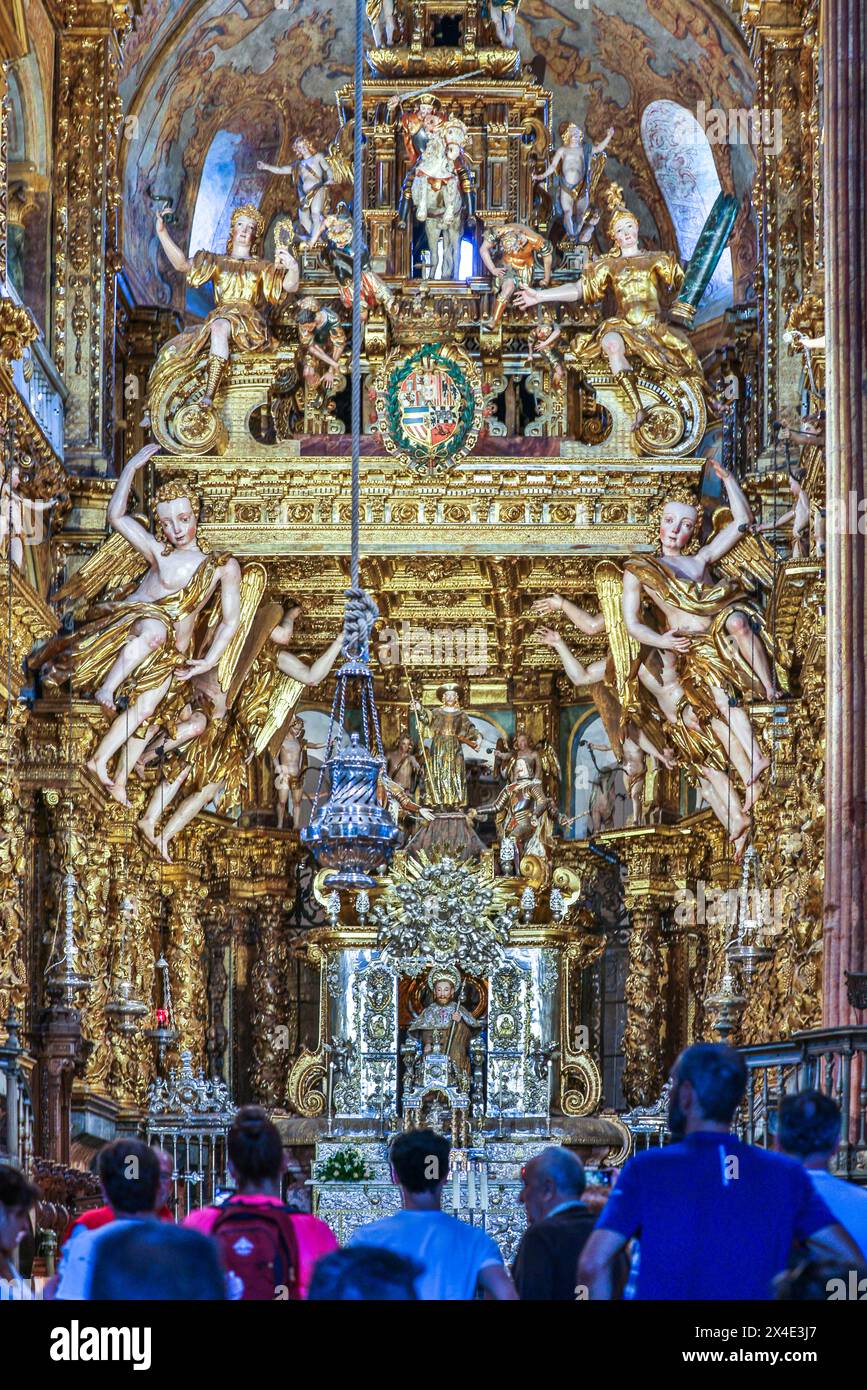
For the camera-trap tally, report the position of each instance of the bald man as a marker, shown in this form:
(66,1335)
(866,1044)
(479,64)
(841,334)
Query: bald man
(558,1225)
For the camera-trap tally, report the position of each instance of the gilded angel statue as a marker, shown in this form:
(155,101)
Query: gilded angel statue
(639,282)
(144,636)
(244,286)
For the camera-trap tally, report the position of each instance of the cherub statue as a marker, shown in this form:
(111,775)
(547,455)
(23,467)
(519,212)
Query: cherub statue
(540,343)
(511,254)
(136,645)
(716,634)
(335,232)
(380,14)
(579,168)
(290,766)
(313,176)
(402,765)
(243,287)
(798,515)
(445,1025)
(322,342)
(15,524)
(637,332)
(504,15)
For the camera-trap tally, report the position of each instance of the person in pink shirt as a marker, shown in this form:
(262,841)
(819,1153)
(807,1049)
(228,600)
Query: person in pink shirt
(268,1251)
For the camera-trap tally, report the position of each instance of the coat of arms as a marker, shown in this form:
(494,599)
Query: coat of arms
(429,407)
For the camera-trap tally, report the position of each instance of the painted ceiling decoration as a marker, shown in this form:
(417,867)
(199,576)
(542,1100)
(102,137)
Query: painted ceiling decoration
(255,74)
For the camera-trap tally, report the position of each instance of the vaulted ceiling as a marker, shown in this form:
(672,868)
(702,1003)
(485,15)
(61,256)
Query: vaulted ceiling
(266,71)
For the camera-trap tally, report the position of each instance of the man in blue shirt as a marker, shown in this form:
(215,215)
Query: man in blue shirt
(715,1218)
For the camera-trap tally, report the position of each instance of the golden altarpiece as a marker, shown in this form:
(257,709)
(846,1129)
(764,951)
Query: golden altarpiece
(531,457)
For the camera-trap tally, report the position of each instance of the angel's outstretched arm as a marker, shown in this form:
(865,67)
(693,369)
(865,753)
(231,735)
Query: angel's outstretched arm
(117,517)
(292,665)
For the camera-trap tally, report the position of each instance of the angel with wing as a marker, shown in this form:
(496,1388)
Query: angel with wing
(141,638)
(717,635)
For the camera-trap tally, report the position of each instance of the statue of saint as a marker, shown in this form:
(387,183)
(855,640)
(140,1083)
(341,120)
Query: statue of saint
(312,176)
(448,730)
(576,164)
(445,1025)
(402,765)
(716,634)
(418,124)
(637,331)
(243,287)
(442,182)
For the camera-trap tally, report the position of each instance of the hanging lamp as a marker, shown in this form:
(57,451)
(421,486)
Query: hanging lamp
(351,830)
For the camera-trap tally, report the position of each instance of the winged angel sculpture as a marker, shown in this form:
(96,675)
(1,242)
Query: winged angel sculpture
(189,663)
(688,650)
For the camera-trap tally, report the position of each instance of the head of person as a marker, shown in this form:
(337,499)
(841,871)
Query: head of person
(677,525)
(256,1156)
(443,981)
(17,1198)
(129,1171)
(246,230)
(364,1274)
(573,135)
(177,513)
(708,1084)
(624,230)
(450,696)
(157,1261)
(405,744)
(419,1162)
(302,147)
(554,1176)
(808,1128)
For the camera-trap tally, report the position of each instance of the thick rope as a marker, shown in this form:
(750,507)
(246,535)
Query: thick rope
(357,243)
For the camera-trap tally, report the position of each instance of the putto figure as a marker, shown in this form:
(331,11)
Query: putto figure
(637,331)
(312,176)
(244,286)
(578,167)
(511,256)
(290,766)
(540,343)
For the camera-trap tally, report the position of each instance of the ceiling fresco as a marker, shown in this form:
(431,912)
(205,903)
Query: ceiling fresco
(264,72)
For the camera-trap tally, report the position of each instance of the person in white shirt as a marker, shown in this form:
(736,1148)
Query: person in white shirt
(458,1259)
(808,1129)
(129,1171)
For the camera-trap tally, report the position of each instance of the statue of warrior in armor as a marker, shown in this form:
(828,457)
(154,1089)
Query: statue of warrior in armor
(524,813)
(578,167)
(335,233)
(511,255)
(312,176)
(445,1025)
(716,634)
(637,331)
(243,287)
(442,184)
(448,729)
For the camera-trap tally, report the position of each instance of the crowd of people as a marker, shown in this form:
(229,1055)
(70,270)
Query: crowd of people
(706,1216)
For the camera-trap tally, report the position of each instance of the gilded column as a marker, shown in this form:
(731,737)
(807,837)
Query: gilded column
(185,894)
(86,198)
(643,1036)
(272,1027)
(845,163)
